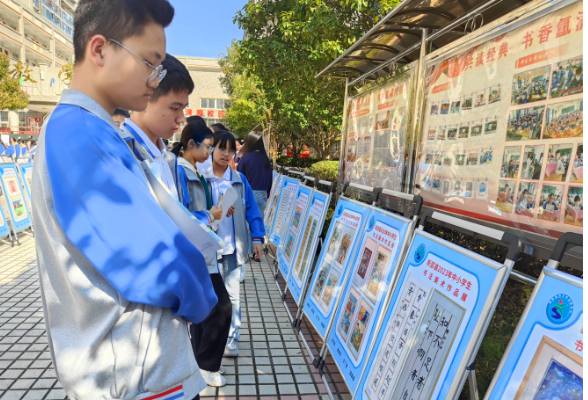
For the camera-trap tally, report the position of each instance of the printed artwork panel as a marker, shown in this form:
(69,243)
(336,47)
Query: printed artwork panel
(330,289)
(319,284)
(351,302)
(360,325)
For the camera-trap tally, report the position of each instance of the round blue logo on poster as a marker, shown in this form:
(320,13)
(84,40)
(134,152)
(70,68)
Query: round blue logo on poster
(339,211)
(419,254)
(371,224)
(560,308)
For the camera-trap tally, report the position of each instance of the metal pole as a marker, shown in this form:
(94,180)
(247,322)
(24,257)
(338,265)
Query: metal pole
(418,100)
(343,143)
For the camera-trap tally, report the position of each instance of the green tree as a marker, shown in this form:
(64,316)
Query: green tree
(288,42)
(11,95)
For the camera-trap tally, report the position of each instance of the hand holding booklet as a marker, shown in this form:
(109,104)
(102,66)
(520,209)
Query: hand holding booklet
(199,234)
(226,201)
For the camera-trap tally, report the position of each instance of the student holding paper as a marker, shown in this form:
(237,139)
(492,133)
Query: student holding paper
(210,336)
(119,279)
(234,230)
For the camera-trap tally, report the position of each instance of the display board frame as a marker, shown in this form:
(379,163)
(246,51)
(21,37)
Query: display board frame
(26,171)
(287,191)
(322,320)
(291,231)
(518,18)
(308,251)
(270,210)
(422,246)
(16,200)
(389,225)
(554,289)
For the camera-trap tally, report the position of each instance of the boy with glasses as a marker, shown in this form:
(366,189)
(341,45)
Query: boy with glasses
(118,278)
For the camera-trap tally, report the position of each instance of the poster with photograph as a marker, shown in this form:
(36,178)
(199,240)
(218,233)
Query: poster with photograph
(526,86)
(373,272)
(15,199)
(306,248)
(286,199)
(292,229)
(333,263)
(527,198)
(550,202)
(432,326)
(574,206)
(376,133)
(544,359)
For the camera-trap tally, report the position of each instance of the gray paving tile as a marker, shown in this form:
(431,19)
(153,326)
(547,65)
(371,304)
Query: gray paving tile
(247,390)
(13,395)
(287,389)
(56,394)
(35,394)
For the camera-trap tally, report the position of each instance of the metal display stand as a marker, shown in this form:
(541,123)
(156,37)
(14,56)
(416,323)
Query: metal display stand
(27,222)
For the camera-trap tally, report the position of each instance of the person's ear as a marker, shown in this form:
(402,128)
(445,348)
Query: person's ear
(96,49)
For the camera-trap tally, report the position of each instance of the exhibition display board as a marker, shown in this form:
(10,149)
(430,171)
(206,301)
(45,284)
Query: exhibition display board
(20,217)
(26,171)
(376,130)
(286,192)
(502,131)
(307,244)
(272,205)
(333,265)
(4,229)
(293,228)
(434,323)
(374,270)
(544,359)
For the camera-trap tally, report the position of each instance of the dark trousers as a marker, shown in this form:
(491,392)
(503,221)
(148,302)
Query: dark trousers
(209,337)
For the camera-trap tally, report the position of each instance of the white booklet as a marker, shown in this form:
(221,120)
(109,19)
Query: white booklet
(199,234)
(227,200)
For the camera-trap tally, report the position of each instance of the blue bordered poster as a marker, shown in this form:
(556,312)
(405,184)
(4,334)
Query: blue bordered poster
(287,191)
(4,229)
(373,272)
(293,228)
(17,205)
(27,177)
(544,358)
(329,276)
(272,206)
(440,308)
(305,251)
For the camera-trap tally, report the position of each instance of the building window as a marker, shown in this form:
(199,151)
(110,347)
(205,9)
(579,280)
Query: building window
(3,119)
(216,104)
(22,118)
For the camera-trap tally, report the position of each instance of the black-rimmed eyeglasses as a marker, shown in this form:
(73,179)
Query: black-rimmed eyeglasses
(158,73)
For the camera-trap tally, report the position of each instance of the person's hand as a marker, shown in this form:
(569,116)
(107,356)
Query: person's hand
(258,249)
(217,212)
(231,211)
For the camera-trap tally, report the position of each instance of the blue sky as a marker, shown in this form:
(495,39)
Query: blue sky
(203,28)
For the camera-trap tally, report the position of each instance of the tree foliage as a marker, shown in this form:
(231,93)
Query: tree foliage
(11,95)
(288,42)
(66,72)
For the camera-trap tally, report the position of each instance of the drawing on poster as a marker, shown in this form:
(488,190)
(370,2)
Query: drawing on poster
(476,131)
(302,265)
(493,94)
(558,162)
(436,185)
(532,162)
(446,187)
(472,158)
(564,120)
(469,189)
(297,215)
(486,157)
(382,120)
(575,206)
(459,160)
(467,103)
(428,352)
(304,244)
(444,108)
(550,202)
(435,109)
(555,372)
(455,106)
(364,263)
(505,193)
(329,291)
(273,207)
(19,209)
(429,158)
(441,133)
(567,78)
(11,184)
(456,188)
(479,99)
(526,198)
(511,162)
(531,86)
(334,243)
(431,134)
(361,322)
(490,127)
(319,285)
(345,246)
(377,274)
(482,190)
(464,132)
(525,124)
(398,333)
(289,245)
(348,313)
(577,175)
(452,134)
(448,159)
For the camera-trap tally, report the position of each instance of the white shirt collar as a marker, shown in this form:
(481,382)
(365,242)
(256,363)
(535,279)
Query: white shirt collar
(226,175)
(155,150)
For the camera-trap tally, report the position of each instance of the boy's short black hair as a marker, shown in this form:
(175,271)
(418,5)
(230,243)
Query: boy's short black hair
(124,113)
(196,119)
(116,19)
(177,79)
(219,126)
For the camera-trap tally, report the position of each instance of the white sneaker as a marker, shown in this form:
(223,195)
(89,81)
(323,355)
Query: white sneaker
(231,350)
(222,370)
(243,272)
(214,379)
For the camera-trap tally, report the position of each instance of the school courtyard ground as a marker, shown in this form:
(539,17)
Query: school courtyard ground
(272,364)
